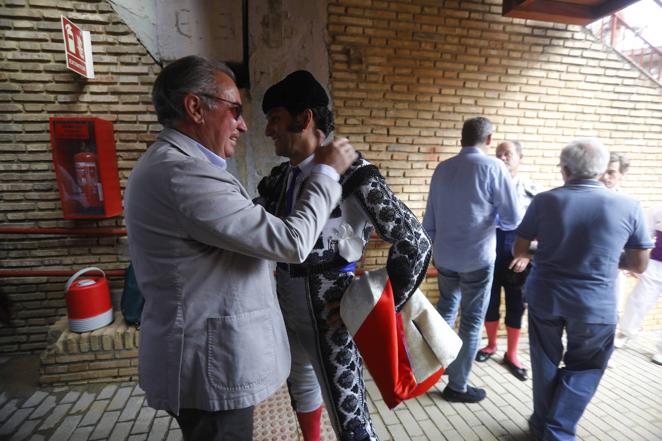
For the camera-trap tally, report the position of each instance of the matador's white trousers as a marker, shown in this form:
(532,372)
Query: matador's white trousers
(642,298)
(325,361)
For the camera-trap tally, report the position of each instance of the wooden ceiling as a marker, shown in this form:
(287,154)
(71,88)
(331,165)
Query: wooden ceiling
(578,12)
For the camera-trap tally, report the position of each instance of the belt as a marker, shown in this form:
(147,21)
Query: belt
(338,264)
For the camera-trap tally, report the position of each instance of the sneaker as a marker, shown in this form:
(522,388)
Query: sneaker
(657,358)
(472,395)
(621,340)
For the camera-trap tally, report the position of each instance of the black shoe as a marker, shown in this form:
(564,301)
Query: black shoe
(472,395)
(483,356)
(535,431)
(518,372)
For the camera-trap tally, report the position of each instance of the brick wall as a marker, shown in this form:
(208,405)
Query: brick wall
(406,74)
(35,85)
(404,77)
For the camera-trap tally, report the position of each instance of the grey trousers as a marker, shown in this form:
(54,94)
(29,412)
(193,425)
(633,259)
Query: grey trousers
(223,425)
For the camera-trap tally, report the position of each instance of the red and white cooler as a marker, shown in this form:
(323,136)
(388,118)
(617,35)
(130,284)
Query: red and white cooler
(88,301)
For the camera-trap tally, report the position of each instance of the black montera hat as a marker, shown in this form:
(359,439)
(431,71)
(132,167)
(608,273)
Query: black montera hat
(297,91)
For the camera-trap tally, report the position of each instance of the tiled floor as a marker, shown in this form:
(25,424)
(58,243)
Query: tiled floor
(627,406)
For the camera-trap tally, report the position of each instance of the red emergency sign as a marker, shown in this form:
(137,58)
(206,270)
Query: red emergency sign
(77,48)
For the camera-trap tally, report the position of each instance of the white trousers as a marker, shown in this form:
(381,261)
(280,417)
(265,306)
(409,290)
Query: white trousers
(642,298)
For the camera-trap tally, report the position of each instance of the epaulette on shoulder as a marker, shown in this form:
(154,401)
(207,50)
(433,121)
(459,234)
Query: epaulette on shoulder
(279,169)
(269,186)
(358,173)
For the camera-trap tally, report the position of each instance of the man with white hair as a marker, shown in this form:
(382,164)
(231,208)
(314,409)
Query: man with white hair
(510,152)
(585,233)
(213,342)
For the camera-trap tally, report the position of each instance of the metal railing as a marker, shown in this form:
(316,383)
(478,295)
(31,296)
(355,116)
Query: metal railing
(627,41)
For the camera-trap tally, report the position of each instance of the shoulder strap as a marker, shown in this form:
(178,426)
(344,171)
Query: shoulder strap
(358,173)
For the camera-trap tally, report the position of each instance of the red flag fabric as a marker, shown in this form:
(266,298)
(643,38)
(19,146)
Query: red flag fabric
(406,352)
(382,343)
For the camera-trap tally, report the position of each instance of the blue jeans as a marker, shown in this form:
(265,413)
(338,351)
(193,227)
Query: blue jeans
(560,396)
(471,293)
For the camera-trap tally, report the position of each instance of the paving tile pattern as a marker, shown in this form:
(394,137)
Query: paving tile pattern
(627,406)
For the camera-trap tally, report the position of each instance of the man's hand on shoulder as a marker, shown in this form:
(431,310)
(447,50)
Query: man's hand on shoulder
(339,154)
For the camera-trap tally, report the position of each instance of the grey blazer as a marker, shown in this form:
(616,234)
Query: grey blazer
(212,335)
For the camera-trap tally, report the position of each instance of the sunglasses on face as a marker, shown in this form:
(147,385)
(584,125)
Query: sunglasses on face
(236,108)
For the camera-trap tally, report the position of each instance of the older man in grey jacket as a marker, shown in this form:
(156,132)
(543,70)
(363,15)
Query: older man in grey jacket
(213,343)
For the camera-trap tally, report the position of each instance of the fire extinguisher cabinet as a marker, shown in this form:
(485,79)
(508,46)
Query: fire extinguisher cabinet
(86,167)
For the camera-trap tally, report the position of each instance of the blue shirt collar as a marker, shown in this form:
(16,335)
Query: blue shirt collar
(213,157)
(471,150)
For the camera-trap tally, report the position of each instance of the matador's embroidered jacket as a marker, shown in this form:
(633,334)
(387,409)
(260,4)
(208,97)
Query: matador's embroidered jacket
(368,205)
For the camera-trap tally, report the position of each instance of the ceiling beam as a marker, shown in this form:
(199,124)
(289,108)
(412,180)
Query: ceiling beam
(577,13)
(612,6)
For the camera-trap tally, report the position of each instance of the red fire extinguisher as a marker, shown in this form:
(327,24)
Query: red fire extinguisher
(85,164)
(88,301)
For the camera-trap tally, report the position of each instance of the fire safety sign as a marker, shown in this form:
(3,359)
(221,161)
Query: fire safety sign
(77,48)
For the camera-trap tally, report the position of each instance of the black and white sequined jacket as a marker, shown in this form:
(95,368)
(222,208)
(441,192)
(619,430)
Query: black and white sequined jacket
(368,205)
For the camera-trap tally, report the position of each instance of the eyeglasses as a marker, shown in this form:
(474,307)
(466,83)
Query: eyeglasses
(237,109)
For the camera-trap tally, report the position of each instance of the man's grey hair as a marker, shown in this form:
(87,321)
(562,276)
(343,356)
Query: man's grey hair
(517,144)
(475,131)
(585,158)
(623,162)
(192,74)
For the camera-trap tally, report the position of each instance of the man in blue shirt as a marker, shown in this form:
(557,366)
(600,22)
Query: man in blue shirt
(467,192)
(585,233)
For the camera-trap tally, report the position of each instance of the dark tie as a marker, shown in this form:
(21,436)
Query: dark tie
(289,194)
